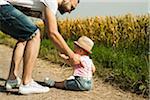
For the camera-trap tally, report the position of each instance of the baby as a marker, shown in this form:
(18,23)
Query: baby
(82,77)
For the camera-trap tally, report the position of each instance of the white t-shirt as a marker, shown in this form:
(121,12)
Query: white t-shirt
(36,5)
(84,69)
(3,2)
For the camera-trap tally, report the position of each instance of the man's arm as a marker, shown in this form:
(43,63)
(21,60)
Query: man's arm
(54,35)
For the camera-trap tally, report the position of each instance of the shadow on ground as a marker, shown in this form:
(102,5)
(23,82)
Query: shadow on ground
(8,92)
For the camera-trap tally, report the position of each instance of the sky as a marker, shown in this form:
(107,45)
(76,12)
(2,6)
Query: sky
(90,8)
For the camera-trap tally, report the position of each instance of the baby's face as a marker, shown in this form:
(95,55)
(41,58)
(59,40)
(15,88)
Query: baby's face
(78,50)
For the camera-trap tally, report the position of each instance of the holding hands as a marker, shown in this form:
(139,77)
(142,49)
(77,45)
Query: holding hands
(74,60)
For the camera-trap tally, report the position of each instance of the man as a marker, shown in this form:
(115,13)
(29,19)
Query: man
(20,27)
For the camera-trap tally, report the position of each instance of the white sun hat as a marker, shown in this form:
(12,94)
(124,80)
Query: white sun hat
(85,43)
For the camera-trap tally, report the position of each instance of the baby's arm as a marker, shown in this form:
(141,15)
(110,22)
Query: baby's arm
(65,57)
(93,69)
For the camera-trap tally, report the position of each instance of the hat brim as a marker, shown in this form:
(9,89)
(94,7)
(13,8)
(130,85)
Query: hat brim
(82,47)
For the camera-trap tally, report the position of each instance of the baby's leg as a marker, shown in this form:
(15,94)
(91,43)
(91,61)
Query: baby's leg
(59,85)
(52,83)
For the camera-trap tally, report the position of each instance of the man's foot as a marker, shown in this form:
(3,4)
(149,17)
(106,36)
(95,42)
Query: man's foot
(11,84)
(32,87)
(49,82)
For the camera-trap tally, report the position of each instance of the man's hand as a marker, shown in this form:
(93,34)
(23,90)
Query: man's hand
(75,59)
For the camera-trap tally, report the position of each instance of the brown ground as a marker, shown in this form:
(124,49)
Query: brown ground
(44,68)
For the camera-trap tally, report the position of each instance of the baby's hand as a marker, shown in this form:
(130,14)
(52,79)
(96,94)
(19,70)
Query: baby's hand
(75,60)
(63,56)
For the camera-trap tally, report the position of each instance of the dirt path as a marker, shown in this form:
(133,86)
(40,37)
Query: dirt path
(43,68)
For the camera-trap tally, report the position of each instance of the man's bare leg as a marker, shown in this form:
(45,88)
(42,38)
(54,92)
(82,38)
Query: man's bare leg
(29,86)
(16,59)
(30,55)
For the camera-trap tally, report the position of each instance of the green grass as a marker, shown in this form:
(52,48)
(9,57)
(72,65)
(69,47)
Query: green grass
(48,50)
(5,39)
(127,69)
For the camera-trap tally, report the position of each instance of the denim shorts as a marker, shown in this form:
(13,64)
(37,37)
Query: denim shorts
(79,84)
(16,24)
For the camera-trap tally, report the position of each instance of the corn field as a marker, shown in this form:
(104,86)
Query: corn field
(125,31)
